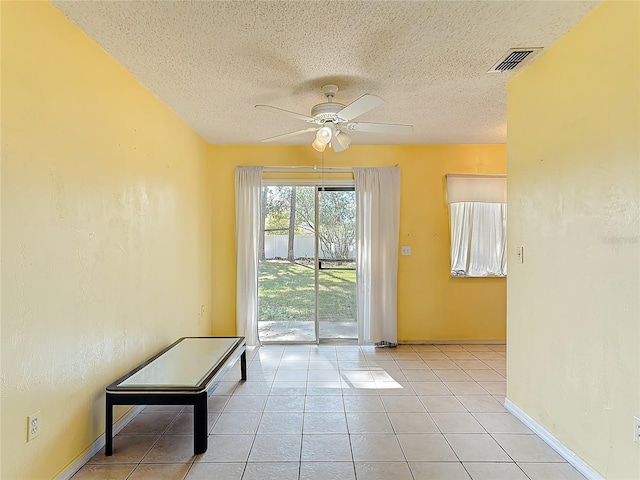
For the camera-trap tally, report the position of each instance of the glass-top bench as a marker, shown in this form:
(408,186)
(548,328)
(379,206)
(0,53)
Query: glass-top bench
(184,373)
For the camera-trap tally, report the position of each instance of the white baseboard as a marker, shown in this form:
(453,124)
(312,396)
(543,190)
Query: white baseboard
(553,442)
(95,447)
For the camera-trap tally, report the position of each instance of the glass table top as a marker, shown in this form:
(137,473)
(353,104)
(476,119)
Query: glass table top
(185,364)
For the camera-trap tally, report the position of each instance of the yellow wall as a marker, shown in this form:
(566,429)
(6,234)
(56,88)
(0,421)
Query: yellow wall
(431,306)
(1,143)
(573,306)
(106,234)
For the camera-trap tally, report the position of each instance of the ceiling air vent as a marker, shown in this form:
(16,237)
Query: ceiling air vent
(514,58)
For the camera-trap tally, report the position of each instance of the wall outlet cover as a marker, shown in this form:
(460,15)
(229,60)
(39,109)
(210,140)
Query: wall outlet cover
(33,426)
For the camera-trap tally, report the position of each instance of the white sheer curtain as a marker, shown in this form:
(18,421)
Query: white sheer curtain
(377,237)
(478,239)
(248,186)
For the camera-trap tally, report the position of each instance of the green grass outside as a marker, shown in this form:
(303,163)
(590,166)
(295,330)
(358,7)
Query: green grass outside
(286,292)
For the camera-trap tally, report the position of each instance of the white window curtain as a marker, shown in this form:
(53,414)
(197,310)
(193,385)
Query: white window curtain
(377,237)
(478,239)
(248,186)
(478,224)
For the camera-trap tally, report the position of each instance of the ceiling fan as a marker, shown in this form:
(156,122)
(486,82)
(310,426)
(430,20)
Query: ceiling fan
(331,120)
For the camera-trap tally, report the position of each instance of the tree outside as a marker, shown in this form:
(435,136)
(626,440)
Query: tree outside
(290,210)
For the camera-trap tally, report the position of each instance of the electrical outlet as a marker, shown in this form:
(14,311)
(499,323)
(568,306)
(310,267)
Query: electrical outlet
(33,426)
(405,250)
(636,429)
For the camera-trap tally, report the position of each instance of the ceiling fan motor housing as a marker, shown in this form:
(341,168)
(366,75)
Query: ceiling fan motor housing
(326,111)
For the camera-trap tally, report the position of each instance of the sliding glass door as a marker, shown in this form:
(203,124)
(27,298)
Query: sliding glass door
(306,283)
(286,271)
(337,263)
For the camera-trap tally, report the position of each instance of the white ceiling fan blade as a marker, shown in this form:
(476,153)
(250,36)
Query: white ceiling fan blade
(391,128)
(359,106)
(290,134)
(299,116)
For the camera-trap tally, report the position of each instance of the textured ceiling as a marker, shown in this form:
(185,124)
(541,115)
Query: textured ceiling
(212,61)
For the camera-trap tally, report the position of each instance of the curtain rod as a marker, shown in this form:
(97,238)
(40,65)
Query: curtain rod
(314,169)
(475,175)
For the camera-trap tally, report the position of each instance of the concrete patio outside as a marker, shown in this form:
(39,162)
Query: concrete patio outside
(304,331)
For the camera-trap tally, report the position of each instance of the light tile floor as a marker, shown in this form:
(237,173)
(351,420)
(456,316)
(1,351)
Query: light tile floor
(344,412)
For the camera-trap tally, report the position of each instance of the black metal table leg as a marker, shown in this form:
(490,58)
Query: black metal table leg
(108,434)
(200,424)
(243,365)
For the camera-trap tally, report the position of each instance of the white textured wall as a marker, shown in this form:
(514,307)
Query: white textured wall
(573,317)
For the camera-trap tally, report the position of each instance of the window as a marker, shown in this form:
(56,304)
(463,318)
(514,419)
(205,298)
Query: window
(478,225)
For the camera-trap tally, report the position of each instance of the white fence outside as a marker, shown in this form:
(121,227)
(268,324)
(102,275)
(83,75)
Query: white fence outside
(276,246)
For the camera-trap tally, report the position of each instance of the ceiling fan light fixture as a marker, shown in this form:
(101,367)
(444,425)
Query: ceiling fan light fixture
(343,139)
(318,145)
(324,135)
